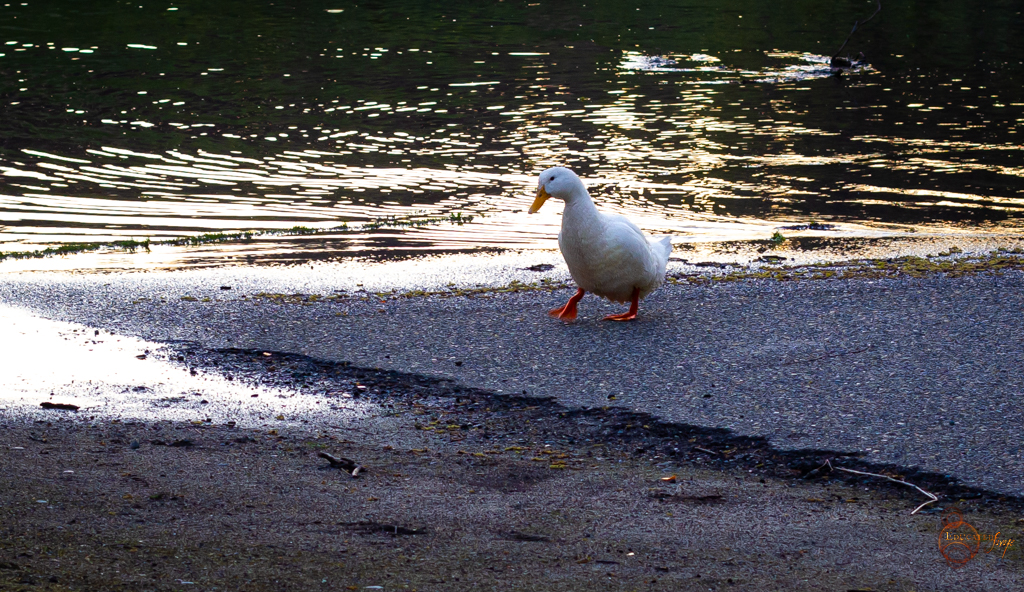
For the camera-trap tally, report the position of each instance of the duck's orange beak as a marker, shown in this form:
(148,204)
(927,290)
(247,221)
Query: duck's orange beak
(542,196)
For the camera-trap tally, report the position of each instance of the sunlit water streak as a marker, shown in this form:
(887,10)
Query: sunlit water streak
(710,146)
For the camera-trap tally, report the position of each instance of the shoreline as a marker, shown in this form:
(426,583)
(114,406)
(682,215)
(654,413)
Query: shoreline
(808,248)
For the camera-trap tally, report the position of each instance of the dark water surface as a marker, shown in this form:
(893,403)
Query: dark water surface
(712,121)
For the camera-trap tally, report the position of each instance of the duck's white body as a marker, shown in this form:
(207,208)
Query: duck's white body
(606,253)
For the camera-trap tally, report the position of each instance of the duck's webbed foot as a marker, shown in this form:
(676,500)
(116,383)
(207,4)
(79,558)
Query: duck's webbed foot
(630,314)
(567,313)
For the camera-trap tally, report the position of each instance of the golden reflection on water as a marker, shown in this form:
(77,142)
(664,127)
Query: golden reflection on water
(703,163)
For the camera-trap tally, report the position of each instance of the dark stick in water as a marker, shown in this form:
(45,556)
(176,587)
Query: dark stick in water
(854,30)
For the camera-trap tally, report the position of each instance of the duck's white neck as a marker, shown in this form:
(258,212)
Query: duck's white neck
(579,204)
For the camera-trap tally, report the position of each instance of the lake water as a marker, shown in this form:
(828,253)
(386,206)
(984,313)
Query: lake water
(716,122)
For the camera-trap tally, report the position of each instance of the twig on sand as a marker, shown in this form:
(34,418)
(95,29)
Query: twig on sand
(854,30)
(60,406)
(346,464)
(829,354)
(698,448)
(677,496)
(828,463)
(369,527)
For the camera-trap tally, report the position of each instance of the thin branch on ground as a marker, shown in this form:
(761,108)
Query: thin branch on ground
(830,355)
(934,498)
(855,25)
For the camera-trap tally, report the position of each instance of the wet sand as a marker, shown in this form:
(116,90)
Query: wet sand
(461,490)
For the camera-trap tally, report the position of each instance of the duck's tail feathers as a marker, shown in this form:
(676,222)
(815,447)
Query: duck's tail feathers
(662,250)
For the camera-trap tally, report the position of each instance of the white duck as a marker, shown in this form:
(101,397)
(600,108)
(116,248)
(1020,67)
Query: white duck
(606,253)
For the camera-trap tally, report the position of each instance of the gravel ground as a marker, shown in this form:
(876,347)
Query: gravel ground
(739,389)
(915,372)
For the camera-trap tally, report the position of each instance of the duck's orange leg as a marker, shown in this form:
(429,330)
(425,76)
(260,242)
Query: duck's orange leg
(568,312)
(630,314)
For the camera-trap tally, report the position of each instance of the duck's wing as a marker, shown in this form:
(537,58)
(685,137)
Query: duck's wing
(653,254)
(632,244)
(623,229)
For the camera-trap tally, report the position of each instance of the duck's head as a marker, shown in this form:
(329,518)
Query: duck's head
(557,182)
